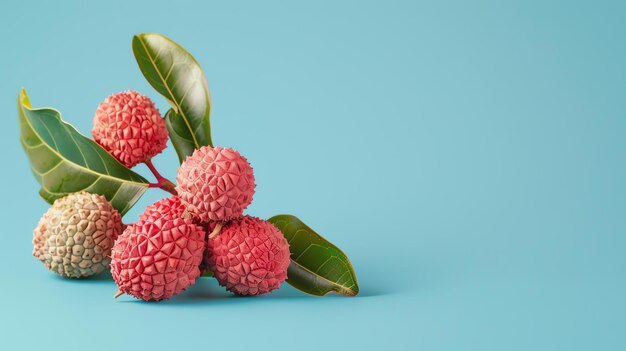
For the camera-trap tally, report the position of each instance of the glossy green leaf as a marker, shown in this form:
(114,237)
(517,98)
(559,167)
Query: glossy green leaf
(179,135)
(64,161)
(317,266)
(176,75)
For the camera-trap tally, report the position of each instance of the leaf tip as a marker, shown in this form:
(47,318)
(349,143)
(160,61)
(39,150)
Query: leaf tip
(138,37)
(22,98)
(353,292)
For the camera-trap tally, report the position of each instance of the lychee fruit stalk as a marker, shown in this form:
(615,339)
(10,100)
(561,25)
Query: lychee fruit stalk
(130,127)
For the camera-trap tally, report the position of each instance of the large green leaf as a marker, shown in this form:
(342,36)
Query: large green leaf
(64,161)
(317,266)
(176,75)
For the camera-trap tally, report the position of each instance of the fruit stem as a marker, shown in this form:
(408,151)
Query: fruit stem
(169,187)
(118,294)
(162,182)
(217,230)
(153,169)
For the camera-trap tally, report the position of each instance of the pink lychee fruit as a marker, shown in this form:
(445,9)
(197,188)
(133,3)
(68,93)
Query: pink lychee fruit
(215,183)
(158,256)
(249,257)
(129,127)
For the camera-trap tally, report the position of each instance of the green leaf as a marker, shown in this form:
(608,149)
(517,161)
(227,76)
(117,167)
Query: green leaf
(317,266)
(179,135)
(64,161)
(176,75)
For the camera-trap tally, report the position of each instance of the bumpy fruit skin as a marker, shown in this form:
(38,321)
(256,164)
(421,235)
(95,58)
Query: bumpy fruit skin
(158,257)
(249,257)
(129,127)
(216,183)
(75,236)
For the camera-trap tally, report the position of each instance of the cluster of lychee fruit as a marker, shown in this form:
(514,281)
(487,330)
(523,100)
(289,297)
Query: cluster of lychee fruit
(201,226)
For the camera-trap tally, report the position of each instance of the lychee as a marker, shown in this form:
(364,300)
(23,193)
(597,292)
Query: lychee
(129,127)
(75,236)
(158,256)
(215,183)
(249,257)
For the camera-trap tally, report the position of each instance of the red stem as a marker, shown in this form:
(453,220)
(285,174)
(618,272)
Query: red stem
(162,182)
(153,169)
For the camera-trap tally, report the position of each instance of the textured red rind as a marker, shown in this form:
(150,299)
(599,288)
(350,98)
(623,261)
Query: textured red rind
(129,127)
(249,257)
(158,257)
(216,184)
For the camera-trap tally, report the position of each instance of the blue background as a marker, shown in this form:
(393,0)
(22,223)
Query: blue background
(469,157)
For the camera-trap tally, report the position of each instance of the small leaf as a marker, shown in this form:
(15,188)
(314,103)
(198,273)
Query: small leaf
(64,161)
(317,266)
(176,75)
